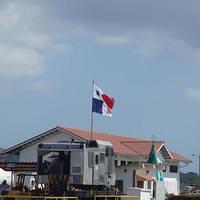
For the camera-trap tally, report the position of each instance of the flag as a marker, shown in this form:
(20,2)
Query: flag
(101,103)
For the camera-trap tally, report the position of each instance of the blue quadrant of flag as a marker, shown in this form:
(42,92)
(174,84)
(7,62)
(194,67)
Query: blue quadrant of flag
(97,105)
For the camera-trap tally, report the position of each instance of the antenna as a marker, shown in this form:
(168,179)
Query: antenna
(153,138)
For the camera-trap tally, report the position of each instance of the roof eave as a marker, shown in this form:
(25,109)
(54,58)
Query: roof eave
(164,145)
(22,145)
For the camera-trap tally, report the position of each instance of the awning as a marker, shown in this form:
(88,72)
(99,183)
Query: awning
(141,177)
(20,166)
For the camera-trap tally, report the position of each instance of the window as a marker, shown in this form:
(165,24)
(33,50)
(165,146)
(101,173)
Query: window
(102,158)
(97,159)
(90,159)
(134,174)
(123,162)
(119,185)
(173,168)
(149,185)
(140,184)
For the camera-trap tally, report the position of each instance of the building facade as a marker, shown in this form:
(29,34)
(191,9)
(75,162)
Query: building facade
(133,173)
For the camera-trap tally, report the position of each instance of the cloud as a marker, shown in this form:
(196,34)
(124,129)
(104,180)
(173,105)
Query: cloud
(32,86)
(118,40)
(193,93)
(40,86)
(61,48)
(147,44)
(25,39)
(32,29)
(178,19)
(19,50)
(152,28)
(20,61)
(150,44)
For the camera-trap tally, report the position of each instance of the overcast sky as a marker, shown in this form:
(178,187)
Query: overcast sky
(146,54)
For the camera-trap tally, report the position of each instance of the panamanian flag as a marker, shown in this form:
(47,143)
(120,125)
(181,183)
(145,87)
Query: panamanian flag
(102,103)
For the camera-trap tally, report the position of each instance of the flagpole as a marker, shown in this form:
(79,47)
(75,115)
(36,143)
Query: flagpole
(92,131)
(92,113)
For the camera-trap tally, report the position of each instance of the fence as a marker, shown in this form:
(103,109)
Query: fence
(97,197)
(61,198)
(116,197)
(21,197)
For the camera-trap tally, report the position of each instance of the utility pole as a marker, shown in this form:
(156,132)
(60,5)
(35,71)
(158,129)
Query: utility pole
(199,165)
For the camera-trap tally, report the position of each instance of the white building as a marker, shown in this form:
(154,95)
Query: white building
(133,174)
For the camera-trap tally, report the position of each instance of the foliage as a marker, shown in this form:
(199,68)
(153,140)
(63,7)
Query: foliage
(189,178)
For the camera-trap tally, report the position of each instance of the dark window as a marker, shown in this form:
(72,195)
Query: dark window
(32,182)
(119,185)
(109,151)
(123,162)
(173,168)
(97,159)
(140,184)
(116,163)
(134,174)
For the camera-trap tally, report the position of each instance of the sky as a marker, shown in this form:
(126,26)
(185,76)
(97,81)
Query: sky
(146,54)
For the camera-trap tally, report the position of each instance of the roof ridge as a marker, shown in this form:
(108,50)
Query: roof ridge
(65,129)
(105,133)
(140,141)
